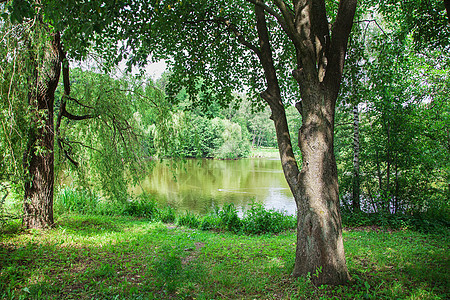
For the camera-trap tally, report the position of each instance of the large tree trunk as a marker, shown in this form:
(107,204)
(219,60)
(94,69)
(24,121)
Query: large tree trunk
(39,158)
(320,249)
(320,61)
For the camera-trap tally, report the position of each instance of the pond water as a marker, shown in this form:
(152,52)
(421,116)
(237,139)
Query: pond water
(199,185)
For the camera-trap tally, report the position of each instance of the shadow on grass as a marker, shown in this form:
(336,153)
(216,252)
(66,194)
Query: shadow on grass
(393,265)
(120,263)
(431,270)
(90,225)
(105,258)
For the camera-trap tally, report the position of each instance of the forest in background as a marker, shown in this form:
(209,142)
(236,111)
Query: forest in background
(396,121)
(402,140)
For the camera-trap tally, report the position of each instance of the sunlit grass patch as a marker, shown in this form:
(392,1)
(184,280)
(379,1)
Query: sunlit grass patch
(396,264)
(89,257)
(266,152)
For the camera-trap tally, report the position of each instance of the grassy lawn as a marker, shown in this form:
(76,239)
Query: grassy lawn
(265,152)
(92,257)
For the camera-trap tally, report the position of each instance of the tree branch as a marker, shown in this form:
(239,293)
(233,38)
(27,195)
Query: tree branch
(66,81)
(79,103)
(62,110)
(269,10)
(241,38)
(82,145)
(66,152)
(272,94)
(286,20)
(376,23)
(339,40)
(288,14)
(70,116)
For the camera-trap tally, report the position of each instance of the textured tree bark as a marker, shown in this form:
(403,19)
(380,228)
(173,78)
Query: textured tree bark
(356,205)
(39,157)
(320,56)
(320,249)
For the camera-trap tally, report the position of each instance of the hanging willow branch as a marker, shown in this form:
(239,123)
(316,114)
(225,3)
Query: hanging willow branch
(63,144)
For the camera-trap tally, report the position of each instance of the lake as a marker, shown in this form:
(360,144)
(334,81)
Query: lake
(199,185)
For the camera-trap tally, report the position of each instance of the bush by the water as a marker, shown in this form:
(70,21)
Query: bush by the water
(167,214)
(259,220)
(143,207)
(255,220)
(228,218)
(74,200)
(189,219)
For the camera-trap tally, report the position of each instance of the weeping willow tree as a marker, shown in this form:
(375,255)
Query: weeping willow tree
(30,70)
(108,146)
(93,125)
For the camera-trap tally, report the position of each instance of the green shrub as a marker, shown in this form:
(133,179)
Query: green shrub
(139,209)
(351,219)
(210,221)
(228,218)
(167,214)
(256,220)
(259,220)
(74,200)
(107,208)
(143,207)
(189,219)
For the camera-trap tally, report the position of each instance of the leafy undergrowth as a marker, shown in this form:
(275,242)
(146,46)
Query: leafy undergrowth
(98,257)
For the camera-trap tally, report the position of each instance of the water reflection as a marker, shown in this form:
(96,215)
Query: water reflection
(201,184)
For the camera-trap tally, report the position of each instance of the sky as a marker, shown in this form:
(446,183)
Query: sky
(155,70)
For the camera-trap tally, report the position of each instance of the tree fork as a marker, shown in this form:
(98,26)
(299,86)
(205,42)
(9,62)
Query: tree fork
(320,249)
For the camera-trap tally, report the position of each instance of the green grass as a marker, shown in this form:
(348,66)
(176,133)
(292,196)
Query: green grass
(104,257)
(265,152)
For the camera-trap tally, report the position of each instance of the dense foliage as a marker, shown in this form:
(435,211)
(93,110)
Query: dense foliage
(196,136)
(402,96)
